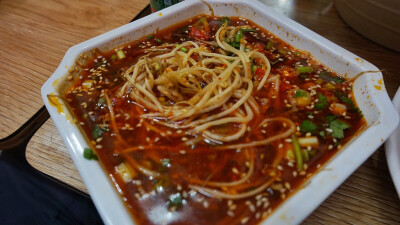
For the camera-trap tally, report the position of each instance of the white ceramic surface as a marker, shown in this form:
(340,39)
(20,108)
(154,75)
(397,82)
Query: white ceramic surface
(369,92)
(392,147)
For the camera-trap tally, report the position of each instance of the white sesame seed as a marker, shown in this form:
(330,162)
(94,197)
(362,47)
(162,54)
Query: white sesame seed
(244,220)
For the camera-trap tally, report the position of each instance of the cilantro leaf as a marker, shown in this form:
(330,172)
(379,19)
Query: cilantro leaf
(330,118)
(322,102)
(338,126)
(307,126)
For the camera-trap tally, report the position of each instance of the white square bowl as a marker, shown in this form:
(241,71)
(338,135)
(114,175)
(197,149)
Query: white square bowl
(369,92)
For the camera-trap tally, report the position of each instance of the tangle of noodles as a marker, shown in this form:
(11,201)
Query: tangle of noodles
(198,82)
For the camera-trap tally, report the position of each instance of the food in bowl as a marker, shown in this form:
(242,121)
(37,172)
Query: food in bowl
(212,121)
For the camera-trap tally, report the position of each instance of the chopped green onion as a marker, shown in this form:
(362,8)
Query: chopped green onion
(89,154)
(150,37)
(322,101)
(289,154)
(183,49)
(121,54)
(239,35)
(306,69)
(307,126)
(158,40)
(269,45)
(300,93)
(97,132)
(297,152)
(113,57)
(101,101)
(235,44)
(166,162)
(253,68)
(305,155)
(175,201)
(225,19)
(326,76)
(249,30)
(345,99)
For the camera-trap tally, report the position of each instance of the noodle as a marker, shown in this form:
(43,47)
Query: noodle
(221,85)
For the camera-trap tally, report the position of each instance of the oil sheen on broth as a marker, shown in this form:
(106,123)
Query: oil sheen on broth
(212,121)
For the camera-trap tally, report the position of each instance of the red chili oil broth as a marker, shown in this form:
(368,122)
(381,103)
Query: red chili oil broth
(150,199)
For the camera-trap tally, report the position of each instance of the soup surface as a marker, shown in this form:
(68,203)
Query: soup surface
(212,121)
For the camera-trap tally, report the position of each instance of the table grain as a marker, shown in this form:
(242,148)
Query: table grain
(34,36)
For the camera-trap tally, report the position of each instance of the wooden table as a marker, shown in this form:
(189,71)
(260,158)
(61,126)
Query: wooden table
(34,36)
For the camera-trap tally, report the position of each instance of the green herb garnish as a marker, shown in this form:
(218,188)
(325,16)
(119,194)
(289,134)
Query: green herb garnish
(239,35)
(338,126)
(331,118)
(300,93)
(89,154)
(326,76)
(306,69)
(297,152)
(183,49)
(175,201)
(225,19)
(322,102)
(269,45)
(307,126)
(165,164)
(98,131)
(249,30)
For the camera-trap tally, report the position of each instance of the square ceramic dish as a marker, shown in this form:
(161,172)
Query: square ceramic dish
(369,92)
